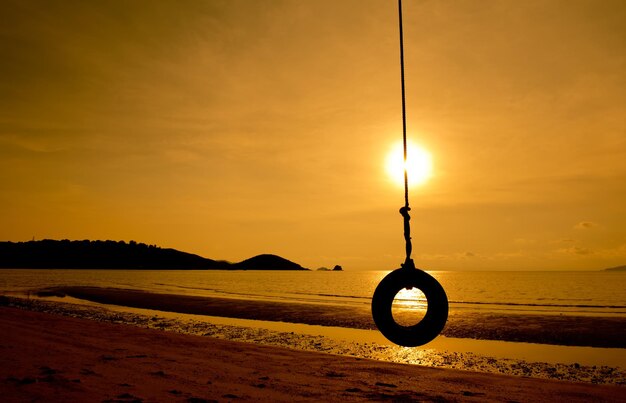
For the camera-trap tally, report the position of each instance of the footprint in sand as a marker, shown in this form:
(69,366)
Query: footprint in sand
(124,398)
(87,371)
(199,400)
(23,381)
(137,356)
(47,371)
(386,385)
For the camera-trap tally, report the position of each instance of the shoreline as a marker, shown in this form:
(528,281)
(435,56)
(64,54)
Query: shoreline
(565,330)
(442,353)
(58,358)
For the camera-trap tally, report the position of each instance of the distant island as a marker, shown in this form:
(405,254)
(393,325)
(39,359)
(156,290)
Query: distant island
(66,254)
(618,268)
(336,268)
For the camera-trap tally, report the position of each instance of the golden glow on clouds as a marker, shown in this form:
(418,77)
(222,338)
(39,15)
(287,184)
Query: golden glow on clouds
(233,128)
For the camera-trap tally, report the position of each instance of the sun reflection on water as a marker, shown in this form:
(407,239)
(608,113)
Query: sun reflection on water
(409,306)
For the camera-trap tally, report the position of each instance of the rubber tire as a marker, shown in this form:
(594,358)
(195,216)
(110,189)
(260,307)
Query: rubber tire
(436,314)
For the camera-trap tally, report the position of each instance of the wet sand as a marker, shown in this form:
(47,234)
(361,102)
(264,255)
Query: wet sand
(532,328)
(50,357)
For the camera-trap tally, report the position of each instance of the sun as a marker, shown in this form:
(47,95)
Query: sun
(418,164)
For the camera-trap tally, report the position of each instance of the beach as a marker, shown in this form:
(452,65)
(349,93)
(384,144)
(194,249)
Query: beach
(58,350)
(144,336)
(52,357)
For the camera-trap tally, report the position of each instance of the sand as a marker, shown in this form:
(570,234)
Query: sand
(51,358)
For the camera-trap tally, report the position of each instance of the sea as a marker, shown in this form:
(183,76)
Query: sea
(595,293)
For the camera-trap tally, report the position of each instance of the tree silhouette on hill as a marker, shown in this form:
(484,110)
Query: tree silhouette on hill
(66,254)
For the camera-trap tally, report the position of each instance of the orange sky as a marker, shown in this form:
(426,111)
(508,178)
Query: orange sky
(234,128)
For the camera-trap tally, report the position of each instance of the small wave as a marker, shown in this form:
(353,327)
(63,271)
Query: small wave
(186,287)
(333,295)
(530,304)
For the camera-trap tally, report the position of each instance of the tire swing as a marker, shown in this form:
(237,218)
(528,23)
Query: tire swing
(408,276)
(436,314)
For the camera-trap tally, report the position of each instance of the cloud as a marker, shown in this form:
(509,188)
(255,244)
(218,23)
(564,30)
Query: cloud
(457,256)
(585,225)
(576,250)
(566,240)
(618,252)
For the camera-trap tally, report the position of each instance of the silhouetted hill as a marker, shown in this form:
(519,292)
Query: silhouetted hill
(267,262)
(618,268)
(65,254)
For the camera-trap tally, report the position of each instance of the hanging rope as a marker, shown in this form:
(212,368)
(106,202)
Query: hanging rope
(404,211)
(408,276)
